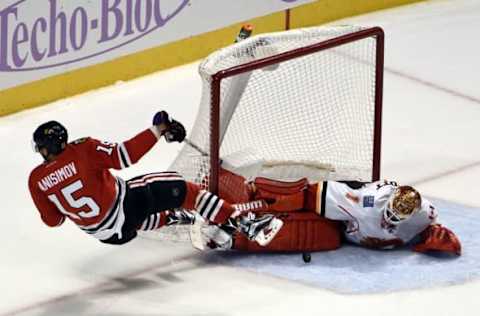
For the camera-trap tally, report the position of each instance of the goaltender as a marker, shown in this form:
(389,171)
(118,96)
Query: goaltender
(379,215)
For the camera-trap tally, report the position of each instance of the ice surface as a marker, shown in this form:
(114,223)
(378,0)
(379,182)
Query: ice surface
(355,270)
(430,138)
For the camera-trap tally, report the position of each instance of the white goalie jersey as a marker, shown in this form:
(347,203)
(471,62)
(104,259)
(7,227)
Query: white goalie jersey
(363,212)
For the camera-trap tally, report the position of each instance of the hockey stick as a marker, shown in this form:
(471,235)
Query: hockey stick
(196,147)
(196,229)
(245,32)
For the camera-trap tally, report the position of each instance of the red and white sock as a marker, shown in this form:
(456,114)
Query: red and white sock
(215,209)
(207,204)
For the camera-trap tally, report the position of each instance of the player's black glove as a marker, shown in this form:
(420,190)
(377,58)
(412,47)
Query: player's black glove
(175,132)
(170,128)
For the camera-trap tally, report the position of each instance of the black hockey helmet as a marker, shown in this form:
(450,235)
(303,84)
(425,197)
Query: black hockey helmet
(50,135)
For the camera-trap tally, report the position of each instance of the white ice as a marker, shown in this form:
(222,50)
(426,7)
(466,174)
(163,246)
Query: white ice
(430,139)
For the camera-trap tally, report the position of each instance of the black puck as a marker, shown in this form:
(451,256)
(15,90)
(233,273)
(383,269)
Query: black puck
(307,257)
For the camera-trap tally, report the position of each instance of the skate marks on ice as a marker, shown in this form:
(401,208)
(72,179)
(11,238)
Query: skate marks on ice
(116,289)
(356,270)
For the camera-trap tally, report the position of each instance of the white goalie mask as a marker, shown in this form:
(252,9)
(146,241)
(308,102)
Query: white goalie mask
(403,203)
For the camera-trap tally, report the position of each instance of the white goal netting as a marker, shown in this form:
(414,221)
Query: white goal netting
(312,115)
(317,109)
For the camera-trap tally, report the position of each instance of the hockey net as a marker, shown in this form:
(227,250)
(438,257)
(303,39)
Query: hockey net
(300,103)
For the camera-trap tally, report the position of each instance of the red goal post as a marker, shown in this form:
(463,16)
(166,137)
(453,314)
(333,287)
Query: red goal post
(310,97)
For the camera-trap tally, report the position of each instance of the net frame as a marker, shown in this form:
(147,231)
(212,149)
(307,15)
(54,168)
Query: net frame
(216,80)
(199,160)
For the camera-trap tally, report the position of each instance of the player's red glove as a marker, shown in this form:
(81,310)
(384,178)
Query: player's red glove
(438,238)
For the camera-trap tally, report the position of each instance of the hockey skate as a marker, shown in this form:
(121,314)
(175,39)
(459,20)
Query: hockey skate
(180,217)
(260,229)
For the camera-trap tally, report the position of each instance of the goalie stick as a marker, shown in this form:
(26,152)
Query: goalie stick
(196,229)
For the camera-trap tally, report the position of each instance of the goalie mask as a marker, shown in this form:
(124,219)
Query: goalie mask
(403,203)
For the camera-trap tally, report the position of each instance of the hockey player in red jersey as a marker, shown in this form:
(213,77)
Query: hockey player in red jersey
(74,181)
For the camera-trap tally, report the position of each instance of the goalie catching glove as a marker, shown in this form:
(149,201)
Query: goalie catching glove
(170,128)
(438,238)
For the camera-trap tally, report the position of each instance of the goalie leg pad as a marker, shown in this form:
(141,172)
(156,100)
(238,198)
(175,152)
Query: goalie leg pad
(233,188)
(283,203)
(283,196)
(302,231)
(280,187)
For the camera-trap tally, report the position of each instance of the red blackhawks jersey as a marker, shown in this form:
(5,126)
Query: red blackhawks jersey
(79,185)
